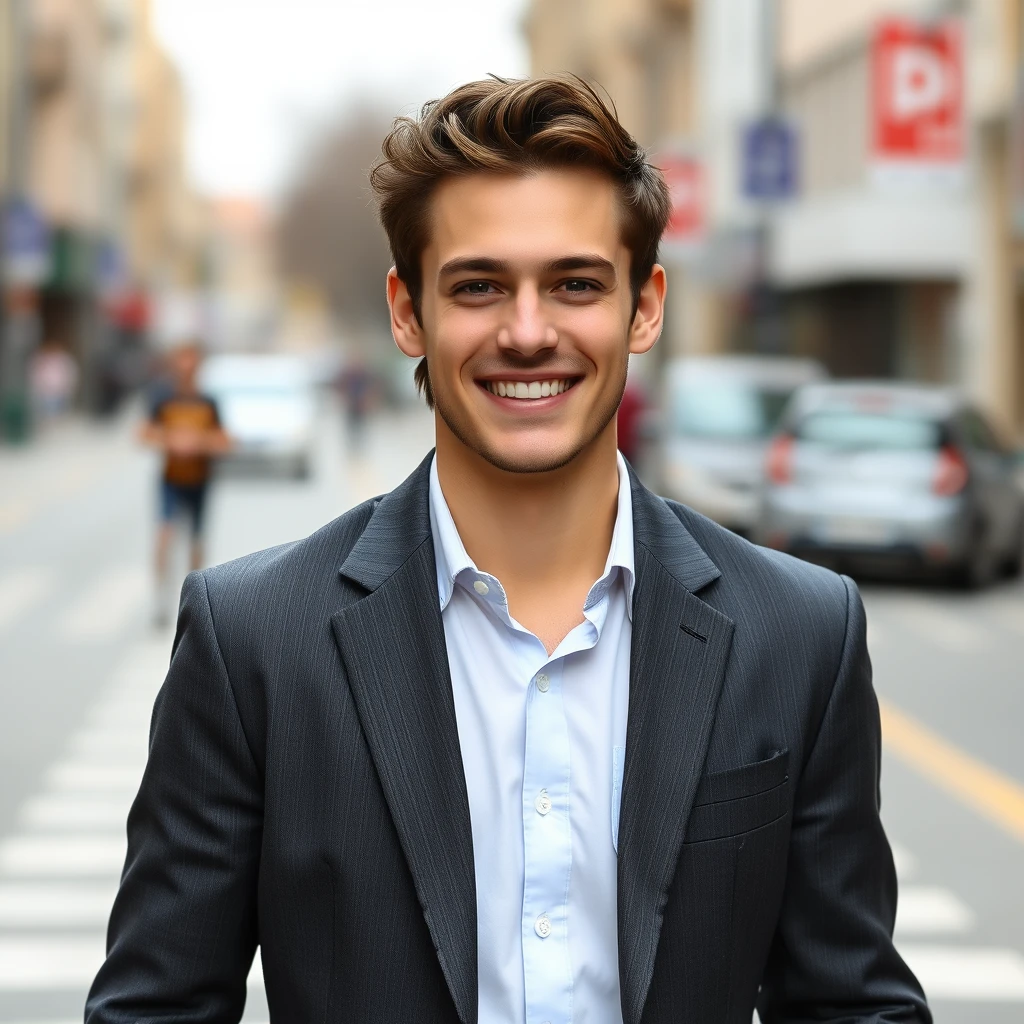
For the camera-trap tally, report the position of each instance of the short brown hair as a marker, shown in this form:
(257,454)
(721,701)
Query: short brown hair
(512,126)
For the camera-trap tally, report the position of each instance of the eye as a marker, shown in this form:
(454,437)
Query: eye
(578,286)
(475,288)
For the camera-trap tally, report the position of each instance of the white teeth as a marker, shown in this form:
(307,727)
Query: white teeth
(521,389)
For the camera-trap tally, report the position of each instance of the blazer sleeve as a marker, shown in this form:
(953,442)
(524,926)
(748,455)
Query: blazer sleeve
(833,957)
(182,933)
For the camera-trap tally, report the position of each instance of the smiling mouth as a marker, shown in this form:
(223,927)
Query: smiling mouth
(533,389)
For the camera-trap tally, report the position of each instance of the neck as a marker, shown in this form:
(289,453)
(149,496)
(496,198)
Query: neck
(533,531)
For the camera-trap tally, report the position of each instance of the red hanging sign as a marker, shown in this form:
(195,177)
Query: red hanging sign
(684,176)
(917,73)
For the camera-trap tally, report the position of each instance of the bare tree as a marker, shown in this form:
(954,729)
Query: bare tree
(328,234)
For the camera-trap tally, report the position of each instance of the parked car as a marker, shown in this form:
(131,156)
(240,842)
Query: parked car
(719,415)
(268,405)
(893,477)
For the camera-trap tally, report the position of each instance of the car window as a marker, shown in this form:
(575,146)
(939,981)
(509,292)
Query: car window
(870,431)
(727,410)
(978,433)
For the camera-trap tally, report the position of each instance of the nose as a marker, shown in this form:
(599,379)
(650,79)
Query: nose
(527,332)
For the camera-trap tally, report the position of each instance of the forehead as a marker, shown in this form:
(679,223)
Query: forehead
(544,213)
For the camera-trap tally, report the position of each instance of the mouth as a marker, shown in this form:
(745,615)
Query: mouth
(529,390)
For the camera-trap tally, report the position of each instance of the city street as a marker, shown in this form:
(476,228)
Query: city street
(80,664)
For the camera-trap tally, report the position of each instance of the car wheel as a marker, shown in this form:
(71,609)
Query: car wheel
(979,568)
(1013,566)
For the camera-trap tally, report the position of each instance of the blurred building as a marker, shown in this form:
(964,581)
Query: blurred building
(875,276)
(93,111)
(241,265)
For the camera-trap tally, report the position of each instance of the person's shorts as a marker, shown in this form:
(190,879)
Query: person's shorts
(176,501)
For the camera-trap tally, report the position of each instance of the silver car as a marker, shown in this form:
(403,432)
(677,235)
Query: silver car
(893,477)
(720,413)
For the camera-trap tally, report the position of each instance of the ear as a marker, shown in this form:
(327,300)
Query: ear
(405,328)
(650,312)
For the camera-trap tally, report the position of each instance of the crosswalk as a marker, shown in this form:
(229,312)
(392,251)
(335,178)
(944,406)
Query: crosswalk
(934,933)
(59,868)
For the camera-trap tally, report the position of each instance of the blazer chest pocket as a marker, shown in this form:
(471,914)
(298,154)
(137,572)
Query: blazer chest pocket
(739,800)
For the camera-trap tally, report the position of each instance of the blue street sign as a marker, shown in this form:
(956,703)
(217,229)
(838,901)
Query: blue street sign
(770,165)
(25,232)
(25,242)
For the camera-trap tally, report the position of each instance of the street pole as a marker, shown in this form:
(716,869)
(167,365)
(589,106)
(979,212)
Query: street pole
(766,311)
(21,322)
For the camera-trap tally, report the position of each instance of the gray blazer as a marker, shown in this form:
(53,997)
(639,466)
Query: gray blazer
(305,792)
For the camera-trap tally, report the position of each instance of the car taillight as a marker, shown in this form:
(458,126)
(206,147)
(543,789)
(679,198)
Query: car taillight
(780,460)
(951,473)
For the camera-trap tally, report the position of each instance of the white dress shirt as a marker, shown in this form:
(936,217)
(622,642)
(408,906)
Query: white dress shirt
(543,740)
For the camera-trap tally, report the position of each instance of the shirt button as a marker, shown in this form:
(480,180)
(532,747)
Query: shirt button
(542,926)
(480,587)
(543,683)
(543,802)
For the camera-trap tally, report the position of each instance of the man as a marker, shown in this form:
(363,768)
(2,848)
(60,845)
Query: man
(185,426)
(518,741)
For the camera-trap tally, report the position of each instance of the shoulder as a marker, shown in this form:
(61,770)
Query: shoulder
(286,577)
(772,592)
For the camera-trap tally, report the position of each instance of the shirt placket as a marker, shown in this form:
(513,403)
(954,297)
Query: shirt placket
(547,851)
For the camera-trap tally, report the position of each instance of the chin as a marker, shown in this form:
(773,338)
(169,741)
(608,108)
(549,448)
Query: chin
(529,457)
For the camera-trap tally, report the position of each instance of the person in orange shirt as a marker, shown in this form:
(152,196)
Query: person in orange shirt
(185,425)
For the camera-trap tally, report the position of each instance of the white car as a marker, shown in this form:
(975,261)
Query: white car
(267,405)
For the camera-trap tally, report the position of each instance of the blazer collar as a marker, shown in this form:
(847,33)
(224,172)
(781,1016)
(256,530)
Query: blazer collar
(401,522)
(657,528)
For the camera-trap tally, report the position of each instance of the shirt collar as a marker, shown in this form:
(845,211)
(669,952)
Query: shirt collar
(451,557)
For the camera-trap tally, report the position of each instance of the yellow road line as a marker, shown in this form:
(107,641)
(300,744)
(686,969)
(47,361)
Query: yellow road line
(985,790)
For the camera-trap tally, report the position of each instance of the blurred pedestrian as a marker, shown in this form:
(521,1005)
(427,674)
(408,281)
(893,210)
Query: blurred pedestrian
(53,379)
(185,426)
(358,390)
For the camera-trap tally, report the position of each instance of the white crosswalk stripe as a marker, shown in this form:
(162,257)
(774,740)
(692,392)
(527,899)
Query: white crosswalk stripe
(967,973)
(23,589)
(929,910)
(107,607)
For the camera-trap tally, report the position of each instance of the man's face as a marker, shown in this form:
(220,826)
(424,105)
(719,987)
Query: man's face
(526,315)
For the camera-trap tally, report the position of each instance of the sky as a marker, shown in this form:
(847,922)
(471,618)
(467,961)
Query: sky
(262,76)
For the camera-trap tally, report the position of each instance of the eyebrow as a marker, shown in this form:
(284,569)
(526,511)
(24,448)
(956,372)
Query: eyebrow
(487,265)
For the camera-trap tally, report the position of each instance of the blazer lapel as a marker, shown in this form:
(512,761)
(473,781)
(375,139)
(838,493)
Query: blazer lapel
(392,644)
(679,651)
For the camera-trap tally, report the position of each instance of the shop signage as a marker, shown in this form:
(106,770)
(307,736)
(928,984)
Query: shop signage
(685,178)
(917,109)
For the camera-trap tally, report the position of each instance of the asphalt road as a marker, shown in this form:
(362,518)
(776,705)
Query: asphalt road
(80,664)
